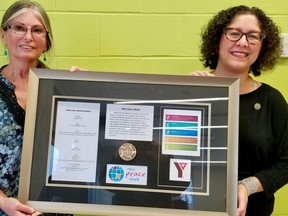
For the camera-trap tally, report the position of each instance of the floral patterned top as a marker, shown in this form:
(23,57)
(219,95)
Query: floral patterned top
(12,117)
(11,137)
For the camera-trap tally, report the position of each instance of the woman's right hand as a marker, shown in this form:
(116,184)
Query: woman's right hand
(201,73)
(13,207)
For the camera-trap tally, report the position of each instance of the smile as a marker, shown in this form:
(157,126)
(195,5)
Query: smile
(26,47)
(240,54)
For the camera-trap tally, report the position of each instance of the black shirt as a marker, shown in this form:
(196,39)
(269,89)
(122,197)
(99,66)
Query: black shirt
(263,145)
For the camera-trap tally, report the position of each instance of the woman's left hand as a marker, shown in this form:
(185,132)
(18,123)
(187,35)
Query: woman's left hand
(76,68)
(242,200)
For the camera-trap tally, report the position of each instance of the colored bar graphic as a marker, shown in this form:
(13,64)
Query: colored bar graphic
(181,132)
(181,140)
(181,124)
(180,147)
(181,118)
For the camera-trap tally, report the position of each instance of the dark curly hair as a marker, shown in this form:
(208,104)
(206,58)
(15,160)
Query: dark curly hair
(271,45)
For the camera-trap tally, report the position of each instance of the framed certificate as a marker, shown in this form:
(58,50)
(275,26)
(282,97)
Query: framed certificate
(104,143)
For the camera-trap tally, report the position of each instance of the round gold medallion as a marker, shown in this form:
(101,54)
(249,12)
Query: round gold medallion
(127,151)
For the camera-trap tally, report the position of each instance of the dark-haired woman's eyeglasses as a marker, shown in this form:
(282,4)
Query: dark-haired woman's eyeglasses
(234,35)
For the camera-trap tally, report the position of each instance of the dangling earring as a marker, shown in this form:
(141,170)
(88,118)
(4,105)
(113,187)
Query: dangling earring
(44,57)
(5,52)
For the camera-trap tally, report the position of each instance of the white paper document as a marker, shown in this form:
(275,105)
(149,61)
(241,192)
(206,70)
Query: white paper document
(76,141)
(129,122)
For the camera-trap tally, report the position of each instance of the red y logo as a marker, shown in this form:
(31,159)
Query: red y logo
(180,166)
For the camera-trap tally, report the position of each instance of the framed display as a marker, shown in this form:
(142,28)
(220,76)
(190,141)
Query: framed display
(103,143)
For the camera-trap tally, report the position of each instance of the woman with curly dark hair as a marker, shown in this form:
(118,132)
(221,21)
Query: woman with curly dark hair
(238,41)
(270,49)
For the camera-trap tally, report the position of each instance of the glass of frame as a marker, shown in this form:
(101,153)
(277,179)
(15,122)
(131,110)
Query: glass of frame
(130,144)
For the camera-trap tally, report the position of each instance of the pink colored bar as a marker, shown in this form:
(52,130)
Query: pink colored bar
(181,118)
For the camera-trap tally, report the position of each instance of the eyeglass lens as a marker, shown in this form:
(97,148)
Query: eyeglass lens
(37,31)
(235,35)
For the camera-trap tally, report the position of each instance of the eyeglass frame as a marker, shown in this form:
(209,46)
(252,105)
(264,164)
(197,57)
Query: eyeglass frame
(262,35)
(26,30)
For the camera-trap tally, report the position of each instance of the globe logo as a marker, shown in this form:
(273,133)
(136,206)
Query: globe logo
(116,173)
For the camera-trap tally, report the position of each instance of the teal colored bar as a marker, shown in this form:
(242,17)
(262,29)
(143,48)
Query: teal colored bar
(181,124)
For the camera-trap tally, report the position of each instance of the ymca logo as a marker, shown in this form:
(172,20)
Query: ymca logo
(180,170)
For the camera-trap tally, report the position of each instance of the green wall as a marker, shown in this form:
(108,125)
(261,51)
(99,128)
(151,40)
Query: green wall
(147,36)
